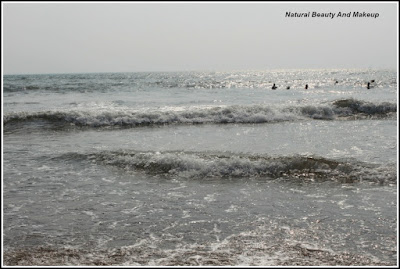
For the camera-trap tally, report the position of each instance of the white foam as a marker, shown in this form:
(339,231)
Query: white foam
(194,165)
(116,116)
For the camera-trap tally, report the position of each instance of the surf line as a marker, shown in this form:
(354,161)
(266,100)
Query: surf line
(309,14)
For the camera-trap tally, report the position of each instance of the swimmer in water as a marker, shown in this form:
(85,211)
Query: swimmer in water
(368,85)
(306,86)
(274,87)
(288,88)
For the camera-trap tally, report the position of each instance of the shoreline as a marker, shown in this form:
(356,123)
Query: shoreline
(242,254)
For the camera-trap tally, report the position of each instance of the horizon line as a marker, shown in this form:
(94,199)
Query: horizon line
(199,70)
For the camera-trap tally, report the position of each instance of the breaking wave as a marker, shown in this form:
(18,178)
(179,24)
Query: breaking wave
(340,109)
(214,165)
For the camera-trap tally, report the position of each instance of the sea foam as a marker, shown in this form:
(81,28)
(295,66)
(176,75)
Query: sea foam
(192,165)
(118,117)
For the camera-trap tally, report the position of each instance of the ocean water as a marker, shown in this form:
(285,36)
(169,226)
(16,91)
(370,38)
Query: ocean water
(200,168)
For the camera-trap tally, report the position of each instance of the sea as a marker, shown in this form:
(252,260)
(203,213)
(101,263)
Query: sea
(201,168)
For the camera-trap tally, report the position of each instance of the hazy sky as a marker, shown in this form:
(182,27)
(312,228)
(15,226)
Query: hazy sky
(134,37)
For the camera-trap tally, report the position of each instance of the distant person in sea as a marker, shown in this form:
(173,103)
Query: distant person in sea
(368,85)
(306,86)
(274,87)
(288,88)
(372,83)
(336,82)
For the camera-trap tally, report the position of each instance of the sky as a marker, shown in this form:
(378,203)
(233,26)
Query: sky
(64,37)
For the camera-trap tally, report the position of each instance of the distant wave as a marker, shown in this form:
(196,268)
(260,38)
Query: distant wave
(192,165)
(340,109)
